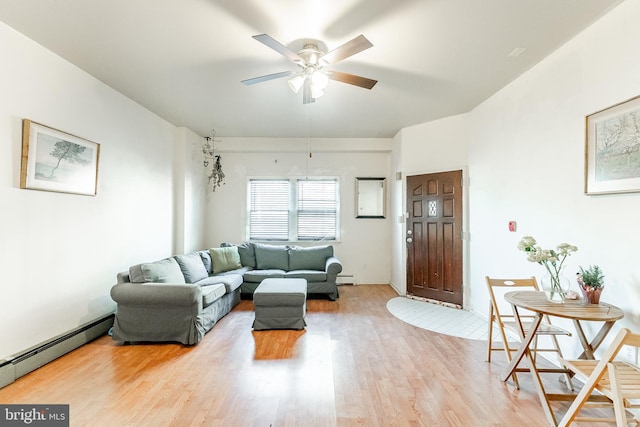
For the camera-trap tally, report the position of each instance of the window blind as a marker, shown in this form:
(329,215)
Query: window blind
(269,209)
(294,210)
(317,209)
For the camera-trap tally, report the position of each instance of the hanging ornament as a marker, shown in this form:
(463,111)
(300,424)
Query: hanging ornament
(217,176)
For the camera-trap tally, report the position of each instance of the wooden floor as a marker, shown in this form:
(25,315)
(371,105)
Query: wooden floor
(354,365)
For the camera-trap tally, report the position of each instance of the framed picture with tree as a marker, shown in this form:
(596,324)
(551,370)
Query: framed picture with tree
(612,154)
(53,160)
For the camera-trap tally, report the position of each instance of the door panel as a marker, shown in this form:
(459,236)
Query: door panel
(434,236)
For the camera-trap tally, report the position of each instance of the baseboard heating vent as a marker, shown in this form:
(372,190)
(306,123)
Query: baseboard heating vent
(7,373)
(41,354)
(346,279)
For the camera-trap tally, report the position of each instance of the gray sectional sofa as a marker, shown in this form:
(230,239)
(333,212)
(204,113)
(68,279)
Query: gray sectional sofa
(317,264)
(182,297)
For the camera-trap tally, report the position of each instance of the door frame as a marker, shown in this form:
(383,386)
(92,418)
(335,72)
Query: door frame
(402,271)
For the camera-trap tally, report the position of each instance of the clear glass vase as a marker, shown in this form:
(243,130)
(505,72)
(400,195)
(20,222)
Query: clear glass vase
(555,286)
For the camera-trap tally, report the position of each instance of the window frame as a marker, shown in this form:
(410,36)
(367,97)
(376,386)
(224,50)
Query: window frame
(293,207)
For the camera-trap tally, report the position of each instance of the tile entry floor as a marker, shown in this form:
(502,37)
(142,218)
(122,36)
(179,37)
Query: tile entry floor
(439,318)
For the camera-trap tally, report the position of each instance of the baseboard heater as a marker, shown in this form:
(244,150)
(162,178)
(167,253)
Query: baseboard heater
(29,360)
(346,279)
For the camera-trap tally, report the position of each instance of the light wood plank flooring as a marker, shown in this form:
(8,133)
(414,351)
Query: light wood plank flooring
(354,365)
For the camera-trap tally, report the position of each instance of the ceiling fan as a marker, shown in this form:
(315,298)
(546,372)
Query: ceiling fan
(312,74)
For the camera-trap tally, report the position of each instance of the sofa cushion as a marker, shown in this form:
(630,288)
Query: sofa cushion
(211,293)
(271,257)
(231,282)
(257,276)
(224,259)
(192,267)
(163,271)
(247,253)
(237,272)
(312,258)
(309,275)
(206,260)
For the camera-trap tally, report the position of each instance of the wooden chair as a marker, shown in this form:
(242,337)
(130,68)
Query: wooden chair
(508,322)
(618,381)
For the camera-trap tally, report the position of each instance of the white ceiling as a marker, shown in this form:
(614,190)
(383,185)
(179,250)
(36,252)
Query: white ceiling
(184,59)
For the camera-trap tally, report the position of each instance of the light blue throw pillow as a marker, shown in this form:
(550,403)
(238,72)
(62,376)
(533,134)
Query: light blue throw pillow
(192,267)
(163,271)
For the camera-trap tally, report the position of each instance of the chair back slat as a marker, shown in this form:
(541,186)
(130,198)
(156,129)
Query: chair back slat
(498,287)
(530,282)
(632,339)
(619,381)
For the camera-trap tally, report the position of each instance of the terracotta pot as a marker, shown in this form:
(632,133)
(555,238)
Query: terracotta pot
(591,296)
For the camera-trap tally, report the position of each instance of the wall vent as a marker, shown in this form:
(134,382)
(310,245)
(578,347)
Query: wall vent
(346,279)
(41,354)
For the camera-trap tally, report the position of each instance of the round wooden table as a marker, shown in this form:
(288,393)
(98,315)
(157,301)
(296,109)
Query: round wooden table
(577,311)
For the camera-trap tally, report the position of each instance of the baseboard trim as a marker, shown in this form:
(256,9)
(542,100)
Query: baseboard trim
(395,288)
(33,358)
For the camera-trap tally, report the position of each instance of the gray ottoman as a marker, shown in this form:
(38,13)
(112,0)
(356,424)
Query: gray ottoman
(280,304)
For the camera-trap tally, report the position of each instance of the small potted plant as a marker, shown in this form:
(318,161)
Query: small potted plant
(591,281)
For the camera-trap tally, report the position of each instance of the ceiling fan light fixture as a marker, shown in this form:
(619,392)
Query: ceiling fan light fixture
(312,62)
(296,82)
(319,79)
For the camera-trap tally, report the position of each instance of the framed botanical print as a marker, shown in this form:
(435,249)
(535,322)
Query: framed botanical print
(53,160)
(612,154)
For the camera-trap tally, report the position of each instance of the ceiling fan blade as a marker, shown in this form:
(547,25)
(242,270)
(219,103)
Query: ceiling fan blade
(352,79)
(306,93)
(274,44)
(348,49)
(266,78)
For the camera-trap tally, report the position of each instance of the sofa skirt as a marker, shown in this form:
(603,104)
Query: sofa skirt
(136,323)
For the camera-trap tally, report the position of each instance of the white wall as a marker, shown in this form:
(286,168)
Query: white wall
(432,147)
(526,164)
(364,244)
(190,189)
(59,253)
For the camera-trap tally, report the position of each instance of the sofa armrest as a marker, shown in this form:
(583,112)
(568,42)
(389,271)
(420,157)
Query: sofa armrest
(157,294)
(333,267)
(123,277)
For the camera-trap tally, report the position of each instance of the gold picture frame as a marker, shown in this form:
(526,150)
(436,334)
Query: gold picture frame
(612,153)
(53,160)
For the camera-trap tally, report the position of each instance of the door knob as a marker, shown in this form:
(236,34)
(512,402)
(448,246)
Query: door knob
(409,240)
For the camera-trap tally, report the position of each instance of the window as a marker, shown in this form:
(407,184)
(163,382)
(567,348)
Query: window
(293,209)
(269,209)
(317,209)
